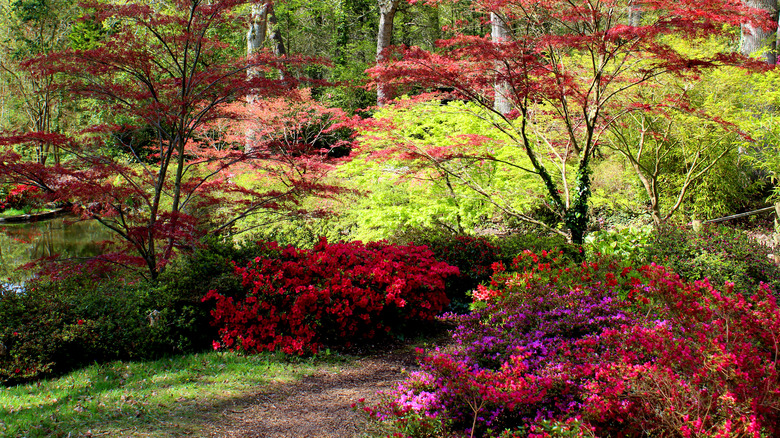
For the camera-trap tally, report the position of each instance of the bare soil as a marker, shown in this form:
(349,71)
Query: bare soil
(320,405)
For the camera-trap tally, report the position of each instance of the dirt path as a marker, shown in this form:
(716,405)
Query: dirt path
(319,406)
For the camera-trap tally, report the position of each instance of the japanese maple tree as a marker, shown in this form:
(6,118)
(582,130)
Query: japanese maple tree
(567,69)
(167,68)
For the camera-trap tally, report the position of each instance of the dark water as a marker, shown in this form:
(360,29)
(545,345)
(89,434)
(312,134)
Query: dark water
(66,236)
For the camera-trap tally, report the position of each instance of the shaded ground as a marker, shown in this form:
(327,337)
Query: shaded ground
(319,406)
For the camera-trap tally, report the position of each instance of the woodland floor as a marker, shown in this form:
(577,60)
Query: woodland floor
(319,406)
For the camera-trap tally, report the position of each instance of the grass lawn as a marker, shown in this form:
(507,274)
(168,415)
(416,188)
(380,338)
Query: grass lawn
(11,212)
(163,398)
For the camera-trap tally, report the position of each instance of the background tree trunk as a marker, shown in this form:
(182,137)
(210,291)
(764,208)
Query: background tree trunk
(274,35)
(500,33)
(262,25)
(754,39)
(384,39)
(255,36)
(634,14)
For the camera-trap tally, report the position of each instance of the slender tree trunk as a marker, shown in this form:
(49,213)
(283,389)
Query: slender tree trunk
(634,14)
(500,34)
(384,39)
(755,39)
(274,35)
(262,25)
(255,37)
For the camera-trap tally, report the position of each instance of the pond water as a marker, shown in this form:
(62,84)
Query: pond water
(66,236)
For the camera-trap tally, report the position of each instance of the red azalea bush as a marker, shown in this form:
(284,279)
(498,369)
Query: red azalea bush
(21,196)
(594,349)
(299,300)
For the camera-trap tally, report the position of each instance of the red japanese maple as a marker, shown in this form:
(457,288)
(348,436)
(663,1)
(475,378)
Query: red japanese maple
(166,69)
(568,69)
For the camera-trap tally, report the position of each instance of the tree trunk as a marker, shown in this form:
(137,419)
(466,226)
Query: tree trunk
(262,25)
(384,39)
(258,28)
(500,34)
(273,32)
(755,39)
(255,37)
(634,14)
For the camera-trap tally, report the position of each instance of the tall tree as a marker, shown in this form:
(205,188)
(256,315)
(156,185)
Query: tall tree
(573,67)
(34,28)
(634,13)
(167,70)
(500,34)
(387,10)
(761,38)
(263,26)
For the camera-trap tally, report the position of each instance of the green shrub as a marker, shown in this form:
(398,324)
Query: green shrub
(718,253)
(55,326)
(182,318)
(473,256)
(512,245)
(299,232)
(625,243)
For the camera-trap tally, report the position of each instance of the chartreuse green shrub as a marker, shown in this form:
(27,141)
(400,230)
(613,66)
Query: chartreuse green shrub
(557,348)
(512,245)
(406,187)
(626,243)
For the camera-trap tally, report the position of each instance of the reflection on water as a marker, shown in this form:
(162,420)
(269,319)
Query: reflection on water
(68,237)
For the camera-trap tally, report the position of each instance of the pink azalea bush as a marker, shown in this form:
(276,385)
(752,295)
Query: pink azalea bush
(557,349)
(300,300)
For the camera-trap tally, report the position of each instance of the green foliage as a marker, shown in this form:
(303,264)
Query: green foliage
(512,245)
(719,253)
(410,188)
(53,326)
(300,231)
(182,320)
(734,185)
(747,176)
(617,196)
(473,256)
(56,326)
(625,243)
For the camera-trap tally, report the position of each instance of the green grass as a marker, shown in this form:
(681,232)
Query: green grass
(11,212)
(163,398)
